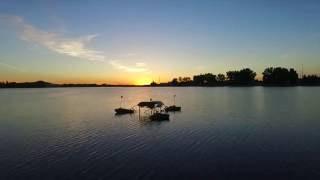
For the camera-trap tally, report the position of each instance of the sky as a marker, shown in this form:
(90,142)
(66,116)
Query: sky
(137,41)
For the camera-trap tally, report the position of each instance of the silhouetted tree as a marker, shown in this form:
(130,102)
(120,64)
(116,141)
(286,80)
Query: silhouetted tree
(244,76)
(221,77)
(174,82)
(247,75)
(293,76)
(205,79)
(268,75)
(186,79)
(181,81)
(232,75)
(153,83)
(279,75)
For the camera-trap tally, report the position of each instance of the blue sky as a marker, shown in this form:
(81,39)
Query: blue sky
(137,41)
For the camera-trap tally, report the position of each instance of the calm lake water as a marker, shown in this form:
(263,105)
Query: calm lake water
(223,132)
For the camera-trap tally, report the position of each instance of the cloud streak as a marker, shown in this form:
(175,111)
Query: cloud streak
(139,67)
(74,47)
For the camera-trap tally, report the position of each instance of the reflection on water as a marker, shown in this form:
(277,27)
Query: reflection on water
(143,119)
(65,133)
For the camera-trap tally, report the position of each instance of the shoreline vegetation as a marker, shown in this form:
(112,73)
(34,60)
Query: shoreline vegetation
(272,76)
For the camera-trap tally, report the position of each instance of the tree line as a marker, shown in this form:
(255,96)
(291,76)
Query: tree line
(43,84)
(271,76)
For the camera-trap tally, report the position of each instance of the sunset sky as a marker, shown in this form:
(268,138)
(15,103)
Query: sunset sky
(135,41)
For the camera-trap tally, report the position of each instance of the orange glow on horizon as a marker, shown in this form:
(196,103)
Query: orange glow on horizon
(143,81)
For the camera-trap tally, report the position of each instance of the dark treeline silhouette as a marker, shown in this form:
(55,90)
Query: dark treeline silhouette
(272,76)
(310,80)
(280,76)
(204,79)
(182,81)
(43,84)
(37,84)
(243,77)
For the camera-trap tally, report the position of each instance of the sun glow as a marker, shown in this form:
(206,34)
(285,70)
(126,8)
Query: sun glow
(143,81)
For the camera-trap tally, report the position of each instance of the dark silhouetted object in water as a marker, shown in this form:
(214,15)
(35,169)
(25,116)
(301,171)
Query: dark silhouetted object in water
(173,108)
(150,104)
(156,108)
(159,117)
(120,111)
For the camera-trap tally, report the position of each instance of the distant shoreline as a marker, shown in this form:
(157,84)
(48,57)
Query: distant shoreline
(272,77)
(43,84)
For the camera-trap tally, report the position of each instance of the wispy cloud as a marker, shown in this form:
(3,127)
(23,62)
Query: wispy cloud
(139,67)
(74,47)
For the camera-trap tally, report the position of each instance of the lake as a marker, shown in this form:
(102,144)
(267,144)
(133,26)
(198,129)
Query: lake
(222,132)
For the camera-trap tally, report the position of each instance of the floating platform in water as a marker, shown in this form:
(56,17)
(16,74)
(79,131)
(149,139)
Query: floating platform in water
(172,109)
(157,110)
(123,111)
(159,117)
(151,104)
